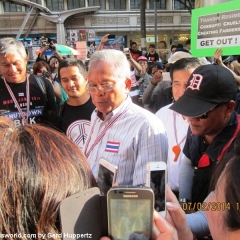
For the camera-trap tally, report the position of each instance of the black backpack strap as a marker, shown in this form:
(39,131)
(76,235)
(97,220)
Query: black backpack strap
(60,108)
(42,85)
(58,120)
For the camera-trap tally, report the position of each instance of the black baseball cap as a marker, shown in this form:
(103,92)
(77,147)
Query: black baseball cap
(158,65)
(207,86)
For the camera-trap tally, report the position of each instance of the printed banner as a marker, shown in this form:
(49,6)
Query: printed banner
(216,26)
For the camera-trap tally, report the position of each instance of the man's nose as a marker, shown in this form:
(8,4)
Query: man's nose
(71,83)
(12,67)
(99,92)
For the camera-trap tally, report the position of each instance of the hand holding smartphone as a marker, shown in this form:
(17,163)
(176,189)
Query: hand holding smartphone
(156,179)
(126,52)
(107,174)
(130,213)
(111,36)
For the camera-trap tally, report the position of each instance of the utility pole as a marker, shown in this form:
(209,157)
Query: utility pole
(143,26)
(155,21)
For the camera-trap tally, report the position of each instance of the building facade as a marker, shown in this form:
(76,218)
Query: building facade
(117,17)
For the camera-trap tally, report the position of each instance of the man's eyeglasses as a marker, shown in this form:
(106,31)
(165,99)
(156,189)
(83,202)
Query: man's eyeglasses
(205,115)
(104,87)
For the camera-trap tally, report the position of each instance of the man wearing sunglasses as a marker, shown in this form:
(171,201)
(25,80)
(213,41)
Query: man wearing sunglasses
(121,132)
(208,103)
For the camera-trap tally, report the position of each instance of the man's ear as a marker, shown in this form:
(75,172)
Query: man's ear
(230,106)
(128,83)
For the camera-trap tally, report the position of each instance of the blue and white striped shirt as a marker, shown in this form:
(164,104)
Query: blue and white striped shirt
(139,137)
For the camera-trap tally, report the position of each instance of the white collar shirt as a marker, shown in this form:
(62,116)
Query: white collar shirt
(176,136)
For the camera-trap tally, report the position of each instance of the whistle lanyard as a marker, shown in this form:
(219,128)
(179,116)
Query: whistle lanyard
(176,149)
(205,160)
(231,140)
(101,135)
(175,130)
(22,114)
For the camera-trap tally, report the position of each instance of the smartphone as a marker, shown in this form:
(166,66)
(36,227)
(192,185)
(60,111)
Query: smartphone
(156,179)
(126,51)
(111,36)
(166,76)
(130,213)
(107,174)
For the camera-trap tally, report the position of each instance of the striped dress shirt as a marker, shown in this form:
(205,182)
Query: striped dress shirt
(134,139)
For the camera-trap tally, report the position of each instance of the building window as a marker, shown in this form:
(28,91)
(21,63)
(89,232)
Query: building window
(135,4)
(35,1)
(55,5)
(10,7)
(100,3)
(72,4)
(160,4)
(183,5)
(117,4)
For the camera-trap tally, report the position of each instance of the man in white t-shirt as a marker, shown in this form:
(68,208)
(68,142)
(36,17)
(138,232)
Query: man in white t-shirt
(175,124)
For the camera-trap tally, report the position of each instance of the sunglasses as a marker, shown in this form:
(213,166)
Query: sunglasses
(205,115)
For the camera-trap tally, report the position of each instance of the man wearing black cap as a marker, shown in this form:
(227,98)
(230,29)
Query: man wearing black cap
(208,103)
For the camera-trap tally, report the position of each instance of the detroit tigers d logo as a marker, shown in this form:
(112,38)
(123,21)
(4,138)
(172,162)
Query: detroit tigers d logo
(195,82)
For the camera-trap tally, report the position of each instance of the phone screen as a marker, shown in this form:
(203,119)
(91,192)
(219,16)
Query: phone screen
(105,179)
(130,219)
(157,183)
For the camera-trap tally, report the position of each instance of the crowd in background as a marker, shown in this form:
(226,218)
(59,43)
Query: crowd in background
(130,109)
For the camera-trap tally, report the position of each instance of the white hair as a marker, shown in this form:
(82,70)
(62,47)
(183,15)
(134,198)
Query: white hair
(10,45)
(116,59)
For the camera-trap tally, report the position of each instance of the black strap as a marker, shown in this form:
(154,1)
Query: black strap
(42,85)
(60,108)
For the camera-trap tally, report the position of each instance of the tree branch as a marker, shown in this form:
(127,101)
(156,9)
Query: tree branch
(188,7)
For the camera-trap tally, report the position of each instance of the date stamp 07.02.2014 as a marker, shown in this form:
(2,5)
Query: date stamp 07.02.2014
(208,206)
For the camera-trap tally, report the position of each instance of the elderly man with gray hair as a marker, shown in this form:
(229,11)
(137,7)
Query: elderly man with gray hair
(25,99)
(121,132)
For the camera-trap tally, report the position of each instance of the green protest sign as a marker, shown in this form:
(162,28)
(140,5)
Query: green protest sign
(216,26)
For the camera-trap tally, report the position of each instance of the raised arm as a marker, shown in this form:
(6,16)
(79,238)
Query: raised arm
(56,53)
(103,41)
(218,57)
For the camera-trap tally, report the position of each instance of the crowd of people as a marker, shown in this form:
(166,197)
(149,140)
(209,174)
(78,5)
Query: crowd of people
(57,123)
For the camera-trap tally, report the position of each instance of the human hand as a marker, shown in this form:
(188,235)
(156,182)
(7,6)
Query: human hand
(157,77)
(43,49)
(218,55)
(174,227)
(176,216)
(105,39)
(163,230)
(129,55)
(53,47)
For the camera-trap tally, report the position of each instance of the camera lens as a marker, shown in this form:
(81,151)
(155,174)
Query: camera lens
(45,74)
